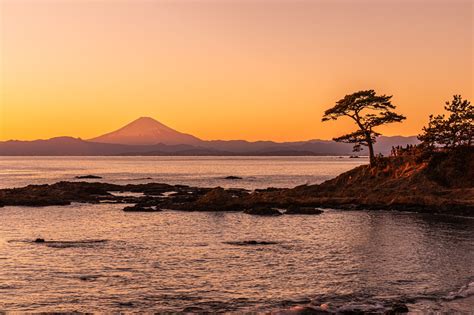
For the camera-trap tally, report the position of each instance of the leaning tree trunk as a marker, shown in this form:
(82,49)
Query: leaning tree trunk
(371,151)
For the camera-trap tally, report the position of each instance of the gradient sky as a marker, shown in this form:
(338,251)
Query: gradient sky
(226,69)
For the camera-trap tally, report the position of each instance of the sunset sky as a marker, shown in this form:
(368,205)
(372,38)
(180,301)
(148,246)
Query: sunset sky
(226,69)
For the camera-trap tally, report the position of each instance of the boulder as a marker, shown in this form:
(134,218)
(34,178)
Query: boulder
(39,240)
(263,211)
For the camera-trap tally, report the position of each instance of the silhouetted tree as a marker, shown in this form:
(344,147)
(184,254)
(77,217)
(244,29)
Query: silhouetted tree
(453,131)
(368,111)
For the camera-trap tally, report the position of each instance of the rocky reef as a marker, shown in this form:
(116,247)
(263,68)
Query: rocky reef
(439,182)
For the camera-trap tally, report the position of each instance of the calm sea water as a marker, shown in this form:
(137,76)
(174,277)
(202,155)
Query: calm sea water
(257,172)
(106,260)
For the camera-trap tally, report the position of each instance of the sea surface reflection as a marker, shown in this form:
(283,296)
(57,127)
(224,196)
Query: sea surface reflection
(103,259)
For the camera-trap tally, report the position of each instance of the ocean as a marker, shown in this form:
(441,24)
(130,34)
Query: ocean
(101,259)
(256,172)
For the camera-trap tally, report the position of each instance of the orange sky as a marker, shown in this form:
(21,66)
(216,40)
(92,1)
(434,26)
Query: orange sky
(226,69)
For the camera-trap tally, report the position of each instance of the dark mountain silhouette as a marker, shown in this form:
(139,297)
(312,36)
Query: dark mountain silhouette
(73,146)
(146,136)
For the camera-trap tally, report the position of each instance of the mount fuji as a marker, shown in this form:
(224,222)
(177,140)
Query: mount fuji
(146,131)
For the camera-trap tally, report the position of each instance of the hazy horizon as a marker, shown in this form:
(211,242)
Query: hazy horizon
(252,70)
(93,139)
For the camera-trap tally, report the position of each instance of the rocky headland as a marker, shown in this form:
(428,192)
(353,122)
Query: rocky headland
(435,182)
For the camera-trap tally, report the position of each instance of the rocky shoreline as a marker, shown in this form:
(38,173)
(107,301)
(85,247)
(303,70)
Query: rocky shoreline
(152,197)
(440,183)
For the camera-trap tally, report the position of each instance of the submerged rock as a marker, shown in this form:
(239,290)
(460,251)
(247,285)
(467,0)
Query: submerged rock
(263,211)
(88,177)
(303,210)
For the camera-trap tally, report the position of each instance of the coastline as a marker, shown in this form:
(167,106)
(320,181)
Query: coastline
(160,196)
(441,183)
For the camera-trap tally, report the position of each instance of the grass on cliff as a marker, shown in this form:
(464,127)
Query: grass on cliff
(415,178)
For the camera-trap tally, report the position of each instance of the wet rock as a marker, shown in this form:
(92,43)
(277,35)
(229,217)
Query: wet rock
(303,210)
(233,177)
(138,208)
(147,202)
(61,193)
(217,199)
(39,240)
(263,211)
(88,177)
(182,198)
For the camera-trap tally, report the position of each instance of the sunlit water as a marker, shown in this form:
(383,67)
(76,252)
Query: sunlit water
(108,260)
(256,172)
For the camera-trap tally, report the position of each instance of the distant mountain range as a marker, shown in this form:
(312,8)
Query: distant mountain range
(146,136)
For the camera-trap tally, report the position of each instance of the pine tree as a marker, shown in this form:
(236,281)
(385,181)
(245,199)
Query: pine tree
(453,131)
(368,110)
